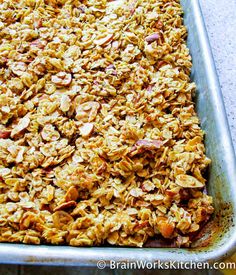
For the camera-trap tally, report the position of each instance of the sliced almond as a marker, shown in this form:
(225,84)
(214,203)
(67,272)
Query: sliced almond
(86,129)
(153,37)
(39,43)
(87,111)
(187,181)
(136,192)
(23,124)
(104,40)
(149,144)
(18,68)
(49,133)
(62,79)
(65,103)
(115,45)
(144,145)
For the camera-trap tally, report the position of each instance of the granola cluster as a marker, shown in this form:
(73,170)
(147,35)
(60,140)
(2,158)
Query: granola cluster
(99,139)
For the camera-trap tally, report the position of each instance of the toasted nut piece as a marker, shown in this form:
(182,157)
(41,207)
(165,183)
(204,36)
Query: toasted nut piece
(104,40)
(49,133)
(153,37)
(115,45)
(111,70)
(166,229)
(187,181)
(149,144)
(86,129)
(18,68)
(23,124)
(136,192)
(39,43)
(172,193)
(62,79)
(144,145)
(65,103)
(87,111)
(65,205)
(5,134)
(71,194)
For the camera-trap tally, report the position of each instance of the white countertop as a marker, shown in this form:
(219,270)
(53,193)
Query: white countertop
(220,19)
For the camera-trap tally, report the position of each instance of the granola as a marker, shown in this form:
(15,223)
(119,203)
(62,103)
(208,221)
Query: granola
(99,139)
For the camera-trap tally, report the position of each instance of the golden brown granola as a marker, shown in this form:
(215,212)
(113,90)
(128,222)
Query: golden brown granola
(99,139)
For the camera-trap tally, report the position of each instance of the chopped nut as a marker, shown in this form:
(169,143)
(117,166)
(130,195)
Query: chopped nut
(49,133)
(50,192)
(153,37)
(62,79)
(18,68)
(38,22)
(102,168)
(145,145)
(136,192)
(187,181)
(65,103)
(149,144)
(141,225)
(87,111)
(23,124)
(86,129)
(104,40)
(159,24)
(39,43)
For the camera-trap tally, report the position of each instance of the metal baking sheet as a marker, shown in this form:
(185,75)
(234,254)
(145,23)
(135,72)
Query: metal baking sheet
(218,239)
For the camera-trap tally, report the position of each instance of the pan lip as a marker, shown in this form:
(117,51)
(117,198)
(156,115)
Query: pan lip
(90,256)
(74,256)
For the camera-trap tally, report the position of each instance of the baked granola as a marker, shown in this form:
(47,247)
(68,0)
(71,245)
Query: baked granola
(99,138)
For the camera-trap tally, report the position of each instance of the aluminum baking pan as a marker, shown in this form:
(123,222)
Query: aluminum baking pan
(219,237)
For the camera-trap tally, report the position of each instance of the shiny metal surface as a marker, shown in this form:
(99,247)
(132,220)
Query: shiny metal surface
(219,238)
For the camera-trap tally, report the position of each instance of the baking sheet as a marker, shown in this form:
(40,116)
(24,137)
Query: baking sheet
(218,240)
